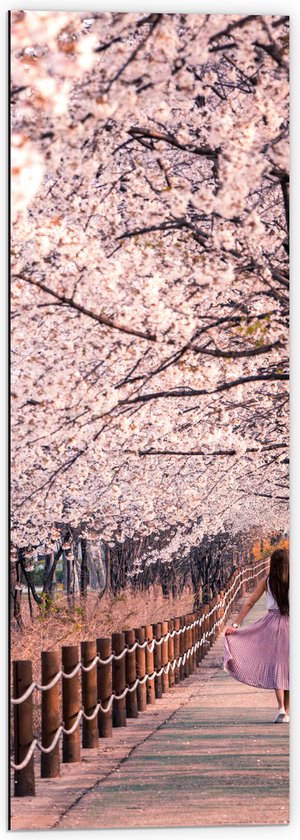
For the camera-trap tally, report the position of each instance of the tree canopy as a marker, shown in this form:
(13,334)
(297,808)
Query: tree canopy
(149,275)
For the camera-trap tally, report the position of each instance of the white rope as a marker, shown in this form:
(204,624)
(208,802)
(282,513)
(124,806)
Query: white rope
(150,645)
(50,684)
(142,645)
(72,673)
(17,700)
(52,746)
(61,729)
(87,668)
(177,662)
(27,758)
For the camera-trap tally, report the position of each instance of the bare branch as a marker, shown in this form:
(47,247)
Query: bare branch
(195,392)
(206,454)
(237,354)
(101,319)
(237,24)
(203,151)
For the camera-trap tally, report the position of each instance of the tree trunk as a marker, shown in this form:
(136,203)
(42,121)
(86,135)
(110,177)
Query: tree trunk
(49,571)
(84,570)
(16,593)
(27,575)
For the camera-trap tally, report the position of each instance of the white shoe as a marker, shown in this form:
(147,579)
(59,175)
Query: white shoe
(280,716)
(286,719)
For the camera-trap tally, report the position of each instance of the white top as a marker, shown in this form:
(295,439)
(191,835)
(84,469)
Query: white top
(271,603)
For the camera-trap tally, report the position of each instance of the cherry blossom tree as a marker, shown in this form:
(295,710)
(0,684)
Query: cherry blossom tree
(149,279)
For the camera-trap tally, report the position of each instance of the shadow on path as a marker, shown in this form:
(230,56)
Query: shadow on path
(206,754)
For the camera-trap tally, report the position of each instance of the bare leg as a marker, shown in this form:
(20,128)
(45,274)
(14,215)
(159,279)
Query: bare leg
(280,697)
(287,701)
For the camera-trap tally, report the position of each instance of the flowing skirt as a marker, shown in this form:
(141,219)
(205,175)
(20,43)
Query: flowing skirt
(259,654)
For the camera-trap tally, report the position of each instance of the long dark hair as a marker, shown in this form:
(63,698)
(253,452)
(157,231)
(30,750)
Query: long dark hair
(279,579)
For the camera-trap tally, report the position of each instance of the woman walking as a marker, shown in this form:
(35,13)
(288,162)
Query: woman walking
(259,654)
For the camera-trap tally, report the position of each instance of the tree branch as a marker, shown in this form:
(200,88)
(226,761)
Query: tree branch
(272,51)
(203,151)
(237,24)
(205,454)
(195,392)
(154,23)
(199,235)
(237,354)
(101,319)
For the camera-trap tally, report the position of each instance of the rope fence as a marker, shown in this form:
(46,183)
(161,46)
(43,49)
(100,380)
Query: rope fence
(120,676)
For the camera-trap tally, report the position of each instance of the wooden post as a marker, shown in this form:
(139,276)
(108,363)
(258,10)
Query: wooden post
(233,594)
(24,784)
(141,669)
(171,652)
(177,649)
(198,636)
(104,686)
(236,594)
(182,647)
(221,610)
(187,645)
(190,659)
(205,627)
(50,762)
(197,616)
(164,656)
(225,605)
(118,677)
(157,660)
(71,704)
(193,635)
(130,674)
(217,616)
(90,735)
(214,618)
(251,576)
(210,622)
(228,597)
(200,631)
(234,591)
(150,687)
(192,640)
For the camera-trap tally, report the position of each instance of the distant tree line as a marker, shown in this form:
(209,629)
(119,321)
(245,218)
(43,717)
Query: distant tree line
(76,564)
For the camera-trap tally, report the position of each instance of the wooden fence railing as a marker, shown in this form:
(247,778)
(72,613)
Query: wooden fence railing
(109,680)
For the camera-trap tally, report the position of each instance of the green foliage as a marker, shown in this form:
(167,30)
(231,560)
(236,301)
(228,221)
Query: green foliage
(257,329)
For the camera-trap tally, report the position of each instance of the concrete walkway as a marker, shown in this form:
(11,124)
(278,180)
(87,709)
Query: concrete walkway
(206,754)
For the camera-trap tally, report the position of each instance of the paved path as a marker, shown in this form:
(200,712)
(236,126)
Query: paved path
(206,754)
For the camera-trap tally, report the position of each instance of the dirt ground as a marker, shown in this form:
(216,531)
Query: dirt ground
(207,753)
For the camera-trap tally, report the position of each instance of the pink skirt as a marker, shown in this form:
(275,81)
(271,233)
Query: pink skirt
(258,655)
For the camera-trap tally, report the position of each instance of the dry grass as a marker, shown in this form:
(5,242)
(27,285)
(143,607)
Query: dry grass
(70,624)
